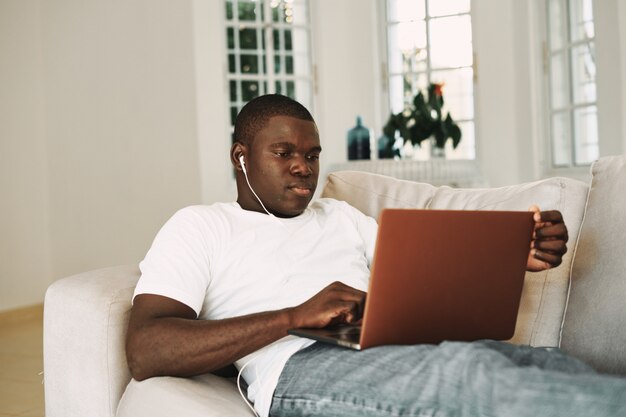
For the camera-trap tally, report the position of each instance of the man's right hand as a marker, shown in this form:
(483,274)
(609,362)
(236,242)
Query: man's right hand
(336,304)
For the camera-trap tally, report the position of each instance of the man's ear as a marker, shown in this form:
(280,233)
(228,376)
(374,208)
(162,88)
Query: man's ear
(236,151)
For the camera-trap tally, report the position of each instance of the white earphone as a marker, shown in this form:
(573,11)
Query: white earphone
(245,173)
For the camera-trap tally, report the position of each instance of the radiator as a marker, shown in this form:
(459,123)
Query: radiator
(454,173)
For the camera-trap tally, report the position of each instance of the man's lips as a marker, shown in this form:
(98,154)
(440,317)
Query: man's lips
(303,190)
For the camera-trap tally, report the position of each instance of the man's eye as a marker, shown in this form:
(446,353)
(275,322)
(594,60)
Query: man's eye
(313,157)
(282,154)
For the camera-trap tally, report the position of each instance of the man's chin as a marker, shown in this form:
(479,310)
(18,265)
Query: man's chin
(292,210)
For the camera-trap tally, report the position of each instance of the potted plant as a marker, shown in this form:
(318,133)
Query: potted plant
(421,121)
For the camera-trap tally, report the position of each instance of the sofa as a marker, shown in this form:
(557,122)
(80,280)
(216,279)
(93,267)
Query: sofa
(579,306)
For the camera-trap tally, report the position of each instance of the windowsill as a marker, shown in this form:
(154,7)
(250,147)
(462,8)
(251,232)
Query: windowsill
(581,173)
(452,172)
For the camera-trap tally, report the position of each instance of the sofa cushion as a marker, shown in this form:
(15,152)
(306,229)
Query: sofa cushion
(595,318)
(201,396)
(544,296)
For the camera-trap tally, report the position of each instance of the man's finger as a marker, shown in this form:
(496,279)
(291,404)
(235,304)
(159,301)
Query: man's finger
(552,246)
(552,260)
(552,231)
(552,216)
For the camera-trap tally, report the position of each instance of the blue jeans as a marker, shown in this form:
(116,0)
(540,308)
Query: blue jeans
(484,378)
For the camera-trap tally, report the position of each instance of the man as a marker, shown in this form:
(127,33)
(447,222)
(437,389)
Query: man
(270,262)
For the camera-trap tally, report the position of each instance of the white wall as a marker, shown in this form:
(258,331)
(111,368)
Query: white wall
(344,52)
(121,134)
(620,50)
(99,135)
(496,103)
(24,222)
(609,76)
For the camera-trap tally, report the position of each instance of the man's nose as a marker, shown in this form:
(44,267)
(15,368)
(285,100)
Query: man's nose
(301,166)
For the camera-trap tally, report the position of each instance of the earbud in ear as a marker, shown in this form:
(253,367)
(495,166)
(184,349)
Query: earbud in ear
(242,162)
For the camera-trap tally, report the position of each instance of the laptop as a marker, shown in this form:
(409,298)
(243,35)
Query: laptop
(440,275)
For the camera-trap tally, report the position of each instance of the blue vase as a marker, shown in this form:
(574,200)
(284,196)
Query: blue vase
(358,141)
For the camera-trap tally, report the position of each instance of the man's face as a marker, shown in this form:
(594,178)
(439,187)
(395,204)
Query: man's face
(283,164)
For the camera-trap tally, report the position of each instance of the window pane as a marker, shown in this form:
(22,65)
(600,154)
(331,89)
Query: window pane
(230,35)
(233,91)
(229,10)
(233,115)
(291,89)
(561,139)
(287,11)
(248,39)
(557,24)
(289,64)
(248,10)
(584,73)
(299,39)
(402,89)
(396,93)
(231,63)
(404,10)
(467,146)
(249,64)
(451,42)
(277,64)
(448,7)
(586,135)
(298,13)
(250,90)
(559,81)
(278,87)
(294,11)
(288,42)
(458,92)
(277,39)
(405,38)
(581,12)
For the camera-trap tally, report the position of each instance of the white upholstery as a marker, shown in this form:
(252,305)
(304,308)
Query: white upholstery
(201,396)
(85,319)
(595,323)
(86,315)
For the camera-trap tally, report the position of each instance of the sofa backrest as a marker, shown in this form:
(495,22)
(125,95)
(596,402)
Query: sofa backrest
(595,321)
(545,293)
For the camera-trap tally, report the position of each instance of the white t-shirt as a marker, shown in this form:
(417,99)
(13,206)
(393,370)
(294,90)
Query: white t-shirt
(223,261)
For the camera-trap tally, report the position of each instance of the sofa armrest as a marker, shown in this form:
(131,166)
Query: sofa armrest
(85,320)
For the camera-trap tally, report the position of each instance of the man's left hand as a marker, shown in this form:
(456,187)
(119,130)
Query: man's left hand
(549,242)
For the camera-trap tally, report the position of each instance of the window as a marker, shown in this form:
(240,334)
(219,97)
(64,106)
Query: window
(430,41)
(572,80)
(268,50)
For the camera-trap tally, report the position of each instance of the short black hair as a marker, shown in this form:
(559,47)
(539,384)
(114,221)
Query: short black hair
(255,115)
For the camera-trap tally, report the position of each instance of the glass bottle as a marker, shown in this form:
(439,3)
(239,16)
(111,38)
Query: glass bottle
(358,141)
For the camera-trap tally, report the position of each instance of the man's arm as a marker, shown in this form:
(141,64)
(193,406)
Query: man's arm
(164,337)
(549,242)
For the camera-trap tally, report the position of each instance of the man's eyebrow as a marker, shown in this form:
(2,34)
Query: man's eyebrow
(283,145)
(290,145)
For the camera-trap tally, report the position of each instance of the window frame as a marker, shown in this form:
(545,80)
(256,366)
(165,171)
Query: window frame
(569,109)
(266,79)
(386,74)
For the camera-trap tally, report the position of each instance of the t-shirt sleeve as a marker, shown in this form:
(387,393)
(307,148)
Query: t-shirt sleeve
(177,265)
